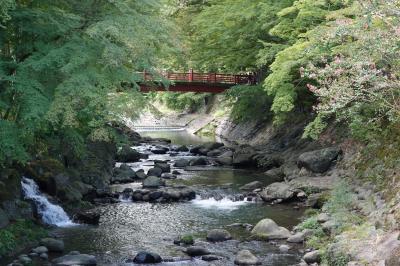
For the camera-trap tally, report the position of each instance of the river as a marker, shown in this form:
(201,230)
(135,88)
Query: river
(128,227)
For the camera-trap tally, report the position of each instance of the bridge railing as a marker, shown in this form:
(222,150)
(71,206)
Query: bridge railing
(200,77)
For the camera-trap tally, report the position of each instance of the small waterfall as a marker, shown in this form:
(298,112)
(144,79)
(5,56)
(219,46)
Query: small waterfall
(222,203)
(51,214)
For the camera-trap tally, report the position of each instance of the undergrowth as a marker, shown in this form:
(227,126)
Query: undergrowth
(19,234)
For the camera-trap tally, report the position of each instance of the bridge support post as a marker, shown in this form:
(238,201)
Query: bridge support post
(191,75)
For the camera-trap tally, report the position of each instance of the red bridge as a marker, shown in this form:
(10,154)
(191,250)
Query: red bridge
(193,82)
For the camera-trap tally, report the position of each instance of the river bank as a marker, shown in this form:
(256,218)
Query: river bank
(360,208)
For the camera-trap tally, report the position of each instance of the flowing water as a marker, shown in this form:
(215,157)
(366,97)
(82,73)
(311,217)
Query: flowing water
(128,227)
(50,213)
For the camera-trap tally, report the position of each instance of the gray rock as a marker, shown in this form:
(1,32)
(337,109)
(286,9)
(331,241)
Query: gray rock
(145,257)
(155,171)
(245,257)
(296,238)
(25,260)
(277,191)
(88,217)
(181,163)
(182,148)
(323,217)
(244,157)
(153,182)
(218,235)
(329,226)
(172,194)
(284,248)
(123,174)
(252,185)
(268,229)
(53,245)
(312,257)
(198,161)
(44,256)
(275,175)
(214,153)
(154,195)
(69,260)
(160,150)
(41,249)
(195,251)
(211,258)
(224,160)
(315,200)
(127,154)
(140,174)
(165,167)
(318,161)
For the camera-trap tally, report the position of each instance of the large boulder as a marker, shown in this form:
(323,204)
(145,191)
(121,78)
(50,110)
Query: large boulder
(252,186)
(127,154)
(145,257)
(123,174)
(153,182)
(78,259)
(53,245)
(218,235)
(277,191)
(245,257)
(268,229)
(155,171)
(318,161)
(244,157)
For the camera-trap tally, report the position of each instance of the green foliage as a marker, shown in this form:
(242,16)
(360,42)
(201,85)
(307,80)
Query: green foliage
(227,35)
(189,101)
(187,240)
(19,234)
(64,67)
(299,26)
(333,259)
(249,103)
(358,83)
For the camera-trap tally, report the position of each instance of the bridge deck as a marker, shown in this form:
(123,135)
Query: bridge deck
(193,82)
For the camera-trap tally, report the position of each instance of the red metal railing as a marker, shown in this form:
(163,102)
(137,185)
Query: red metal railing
(201,77)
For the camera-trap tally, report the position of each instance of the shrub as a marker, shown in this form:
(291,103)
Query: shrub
(19,234)
(249,103)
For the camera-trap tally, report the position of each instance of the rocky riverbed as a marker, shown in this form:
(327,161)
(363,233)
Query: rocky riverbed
(190,202)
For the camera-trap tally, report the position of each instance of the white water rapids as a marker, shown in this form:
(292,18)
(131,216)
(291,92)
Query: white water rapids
(51,214)
(223,204)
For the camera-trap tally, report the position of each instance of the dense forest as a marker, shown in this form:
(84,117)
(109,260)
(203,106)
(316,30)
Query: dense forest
(67,73)
(337,59)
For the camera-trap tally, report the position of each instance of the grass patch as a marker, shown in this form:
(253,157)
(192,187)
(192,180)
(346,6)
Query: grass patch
(19,234)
